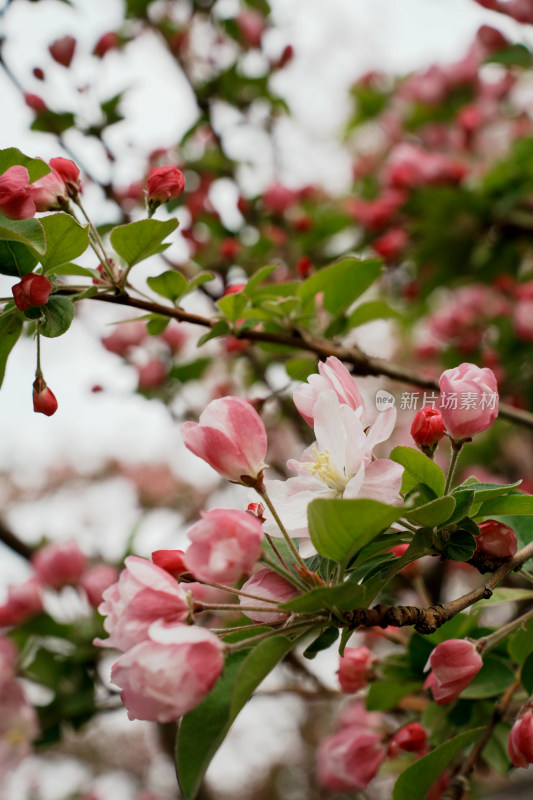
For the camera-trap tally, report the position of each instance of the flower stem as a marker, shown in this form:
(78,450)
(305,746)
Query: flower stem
(456,449)
(486,642)
(96,242)
(262,492)
(261,636)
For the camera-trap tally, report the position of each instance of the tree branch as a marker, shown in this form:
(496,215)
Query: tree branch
(14,543)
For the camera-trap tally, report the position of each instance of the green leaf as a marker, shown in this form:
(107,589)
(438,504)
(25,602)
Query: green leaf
(494,677)
(496,752)
(461,546)
(342,283)
(344,596)
(58,314)
(415,781)
(73,269)
(16,259)
(258,277)
(11,157)
(339,528)
(53,122)
(10,330)
(385,695)
(484,491)
(521,644)
(421,467)
(27,231)
(322,642)
(199,280)
(367,312)
(515,55)
(203,729)
(139,240)
(509,504)
(220,328)
(463,504)
(434,513)
(169,284)
(299,369)
(500,596)
(526,674)
(191,371)
(65,239)
(232,305)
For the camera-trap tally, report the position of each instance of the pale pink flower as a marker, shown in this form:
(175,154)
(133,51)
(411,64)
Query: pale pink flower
(520,741)
(143,594)
(59,564)
(96,580)
(468,400)
(18,726)
(355,668)
(8,660)
(332,375)
(226,544)
(170,672)
(348,760)
(271,586)
(230,436)
(338,464)
(454,663)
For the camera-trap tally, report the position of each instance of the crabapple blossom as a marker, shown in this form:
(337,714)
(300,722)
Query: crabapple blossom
(355,667)
(18,726)
(44,400)
(171,561)
(50,192)
(169,672)
(268,584)
(16,201)
(428,428)
(348,760)
(163,184)
(231,437)
(468,400)
(332,375)
(520,741)
(95,580)
(59,564)
(454,663)
(412,738)
(23,601)
(33,290)
(8,660)
(68,172)
(143,594)
(226,544)
(496,540)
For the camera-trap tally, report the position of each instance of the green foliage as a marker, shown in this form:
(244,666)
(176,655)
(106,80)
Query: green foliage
(324,641)
(139,240)
(11,156)
(461,546)
(16,259)
(494,677)
(169,284)
(342,283)
(29,232)
(420,467)
(385,695)
(515,504)
(65,240)
(58,314)
(433,513)
(10,330)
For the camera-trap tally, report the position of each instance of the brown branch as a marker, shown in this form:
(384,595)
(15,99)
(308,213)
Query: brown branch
(427,620)
(361,363)
(14,543)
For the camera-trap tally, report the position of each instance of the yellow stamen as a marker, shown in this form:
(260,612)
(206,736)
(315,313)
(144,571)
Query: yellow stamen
(325,470)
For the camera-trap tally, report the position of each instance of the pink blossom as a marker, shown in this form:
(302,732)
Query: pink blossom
(277,199)
(8,660)
(44,400)
(33,290)
(168,673)
(23,601)
(520,741)
(391,244)
(106,42)
(270,586)
(468,400)
(348,760)
(164,184)
(355,668)
(231,437)
(151,375)
(50,192)
(332,375)
(59,564)
(428,428)
(226,544)
(338,464)
(454,663)
(69,174)
(176,336)
(143,594)
(523,319)
(412,738)
(171,561)
(16,201)
(125,336)
(18,726)
(62,50)
(251,25)
(96,580)
(496,540)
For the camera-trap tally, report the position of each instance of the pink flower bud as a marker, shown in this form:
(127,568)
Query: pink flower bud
(171,561)
(304,267)
(23,601)
(251,26)
(44,400)
(36,103)
(468,400)
(62,50)
(428,428)
(271,586)
(151,375)
(229,249)
(69,174)
(496,540)
(454,663)
(15,194)
(391,244)
(411,739)
(348,760)
(520,741)
(163,184)
(33,290)
(106,42)
(96,580)
(231,437)
(226,544)
(170,673)
(176,336)
(257,510)
(332,375)
(355,668)
(59,564)
(277,199)
(19,726)
(125,336)
(143,594)
(50,193)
